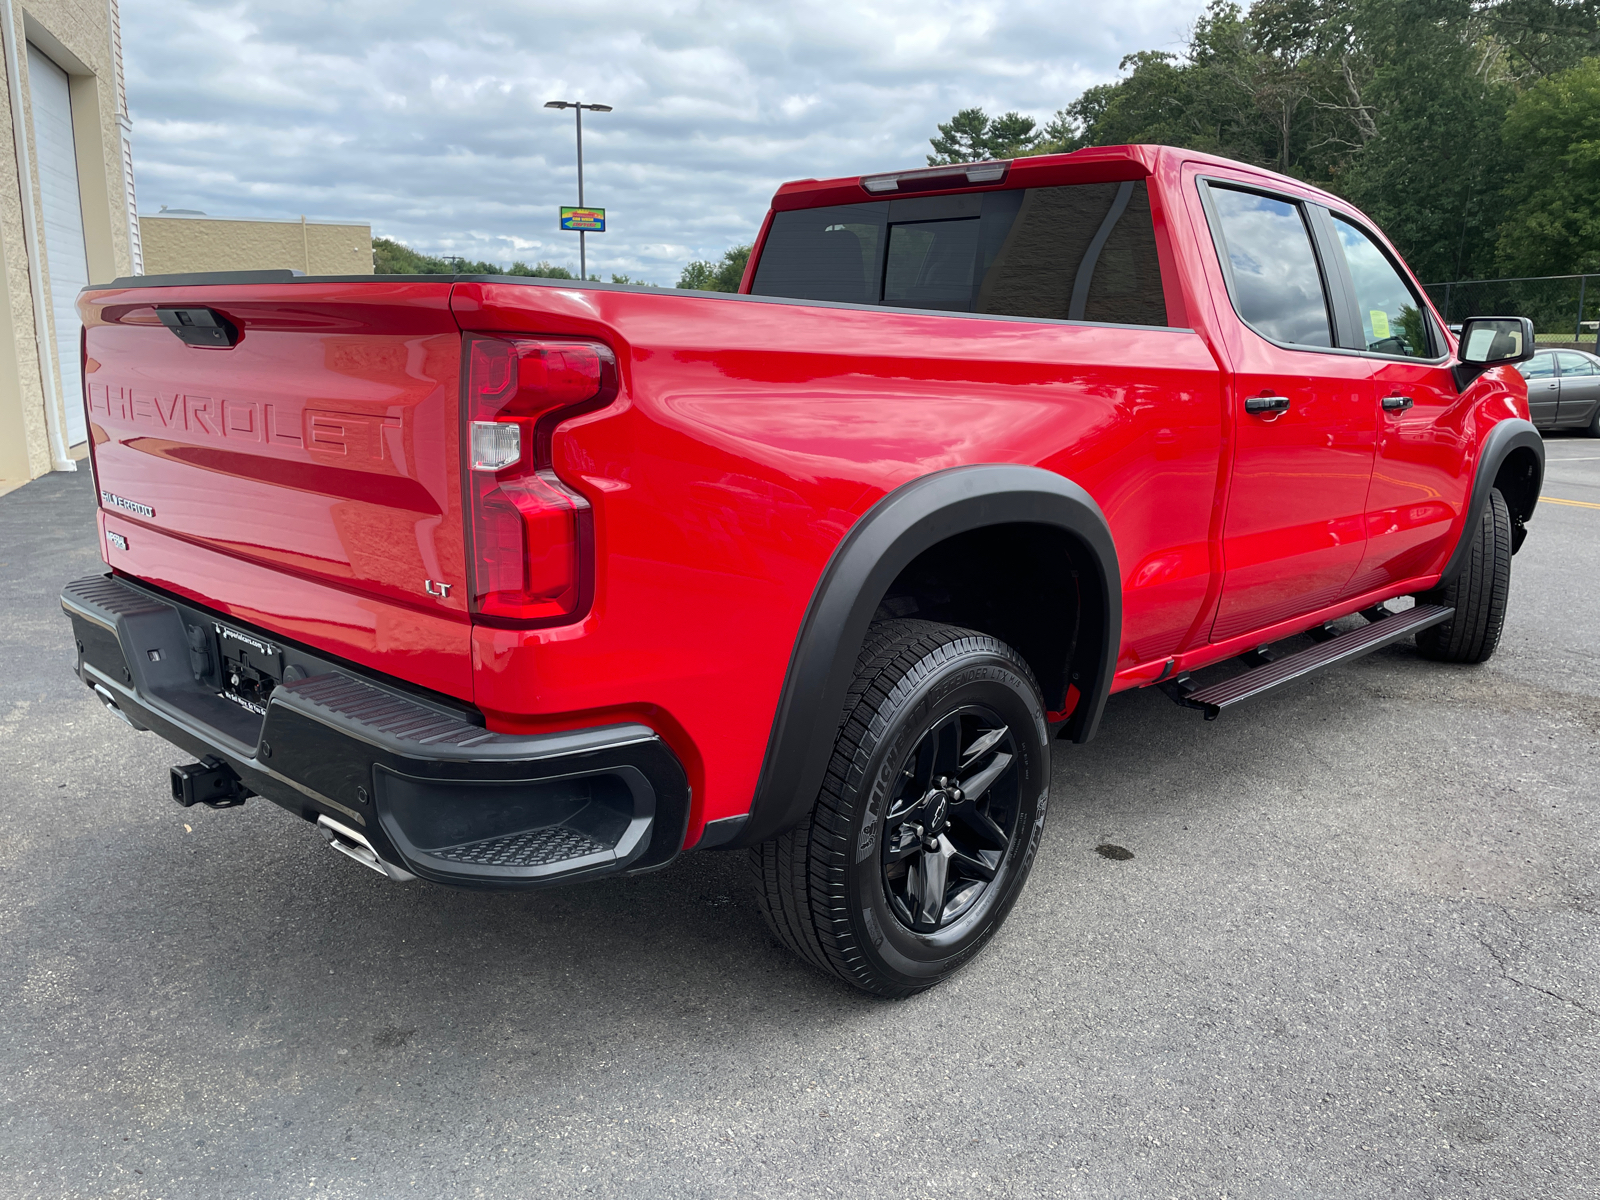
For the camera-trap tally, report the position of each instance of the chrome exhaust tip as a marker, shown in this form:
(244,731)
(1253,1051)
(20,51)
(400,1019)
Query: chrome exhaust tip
(115,709)
(355,846)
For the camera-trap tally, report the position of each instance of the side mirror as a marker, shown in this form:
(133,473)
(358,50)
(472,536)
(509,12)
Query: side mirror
(1492,342)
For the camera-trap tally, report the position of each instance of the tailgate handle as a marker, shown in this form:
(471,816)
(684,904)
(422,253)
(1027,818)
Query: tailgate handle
(200,327)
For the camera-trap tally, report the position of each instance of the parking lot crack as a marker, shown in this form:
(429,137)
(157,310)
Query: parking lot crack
(1505,972)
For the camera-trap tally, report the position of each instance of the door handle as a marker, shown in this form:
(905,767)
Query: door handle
(1266,404)
(1396,403)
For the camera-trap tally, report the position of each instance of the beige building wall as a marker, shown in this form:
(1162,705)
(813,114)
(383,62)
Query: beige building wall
(81,37)
(178,245)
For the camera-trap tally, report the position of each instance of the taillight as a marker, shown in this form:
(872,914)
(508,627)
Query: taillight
(531,555)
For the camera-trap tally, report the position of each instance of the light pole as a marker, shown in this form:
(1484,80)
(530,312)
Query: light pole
(577,111)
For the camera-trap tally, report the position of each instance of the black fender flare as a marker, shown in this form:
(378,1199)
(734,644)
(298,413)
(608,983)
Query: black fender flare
(912,518)
(1511,434)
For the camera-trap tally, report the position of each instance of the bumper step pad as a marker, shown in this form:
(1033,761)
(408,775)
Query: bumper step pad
(535,848)
(1215,697)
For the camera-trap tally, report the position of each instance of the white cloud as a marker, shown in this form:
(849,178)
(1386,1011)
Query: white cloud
(427,119)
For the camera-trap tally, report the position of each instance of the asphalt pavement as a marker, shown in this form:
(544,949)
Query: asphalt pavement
(1353,954)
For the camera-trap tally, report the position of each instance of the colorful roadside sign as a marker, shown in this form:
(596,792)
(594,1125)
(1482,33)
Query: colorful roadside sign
(583,220)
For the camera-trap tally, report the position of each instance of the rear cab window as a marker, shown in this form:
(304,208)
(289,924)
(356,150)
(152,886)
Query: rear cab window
(1078,252)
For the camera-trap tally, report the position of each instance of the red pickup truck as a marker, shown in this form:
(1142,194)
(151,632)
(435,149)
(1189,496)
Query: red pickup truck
(508,582)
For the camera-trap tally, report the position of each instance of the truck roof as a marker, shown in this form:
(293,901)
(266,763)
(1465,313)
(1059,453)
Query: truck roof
(1093,164)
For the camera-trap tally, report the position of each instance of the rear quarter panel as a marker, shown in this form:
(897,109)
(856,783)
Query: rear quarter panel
(750,435)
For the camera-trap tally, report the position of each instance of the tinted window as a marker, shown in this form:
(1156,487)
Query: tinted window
(1085,252)
(1392,320)
(930,263)
(823,253)
(1277,288)
(1540,366)
(1573,363)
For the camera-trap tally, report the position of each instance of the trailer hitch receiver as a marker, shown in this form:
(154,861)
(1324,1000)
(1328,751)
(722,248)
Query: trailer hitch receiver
(211,782)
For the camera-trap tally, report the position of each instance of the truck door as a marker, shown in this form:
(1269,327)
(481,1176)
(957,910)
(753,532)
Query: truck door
(1418,484)
(1304,429)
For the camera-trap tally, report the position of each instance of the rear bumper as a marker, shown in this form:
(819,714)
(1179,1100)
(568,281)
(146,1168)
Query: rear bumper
(423,783)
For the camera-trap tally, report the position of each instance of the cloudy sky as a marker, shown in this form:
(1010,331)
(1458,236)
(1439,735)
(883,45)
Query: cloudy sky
(425,118)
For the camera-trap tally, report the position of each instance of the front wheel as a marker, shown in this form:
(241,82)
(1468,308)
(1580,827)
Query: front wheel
(929,818)
(1478,593)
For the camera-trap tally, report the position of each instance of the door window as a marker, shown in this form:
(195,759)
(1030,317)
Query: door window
(1573,363)
(1540,366)
(1392,318)
(1277,288)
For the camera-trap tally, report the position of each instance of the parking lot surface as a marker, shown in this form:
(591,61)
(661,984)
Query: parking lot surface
(1354,954)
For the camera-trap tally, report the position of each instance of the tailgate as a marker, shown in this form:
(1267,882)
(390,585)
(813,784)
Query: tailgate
(322,444)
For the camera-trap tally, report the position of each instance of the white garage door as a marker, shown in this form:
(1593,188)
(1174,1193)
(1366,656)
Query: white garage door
(65,258)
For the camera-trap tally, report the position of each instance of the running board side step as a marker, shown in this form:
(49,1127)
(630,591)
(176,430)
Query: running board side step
(1212,699)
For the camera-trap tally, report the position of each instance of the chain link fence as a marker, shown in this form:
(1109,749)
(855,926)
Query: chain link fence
(1565,309)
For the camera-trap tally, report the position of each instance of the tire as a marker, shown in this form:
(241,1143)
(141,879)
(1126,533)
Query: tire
(900,875)
(1478,593)
(1593,428)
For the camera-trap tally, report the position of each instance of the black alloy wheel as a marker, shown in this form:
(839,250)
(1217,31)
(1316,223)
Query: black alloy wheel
(952,821)
(929,818)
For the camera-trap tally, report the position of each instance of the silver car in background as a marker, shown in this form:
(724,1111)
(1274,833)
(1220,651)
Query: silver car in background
(1564,390)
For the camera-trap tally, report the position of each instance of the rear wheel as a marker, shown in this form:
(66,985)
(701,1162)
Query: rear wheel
(929,816)
(1478,593)
(1594,423)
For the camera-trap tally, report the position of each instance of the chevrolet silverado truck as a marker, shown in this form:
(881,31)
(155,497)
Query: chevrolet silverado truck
(509,582)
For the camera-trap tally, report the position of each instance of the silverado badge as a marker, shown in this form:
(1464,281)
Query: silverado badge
(133,506)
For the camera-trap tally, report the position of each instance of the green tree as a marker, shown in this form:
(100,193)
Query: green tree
(1012,135)
(1552,137)
(390,257)
(699,276)
(970,136)
(1267,86)
(1396,104)
(1430,171)
(961,139)
(1529,40)
(539,270)
(723,276)
(1151,103)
